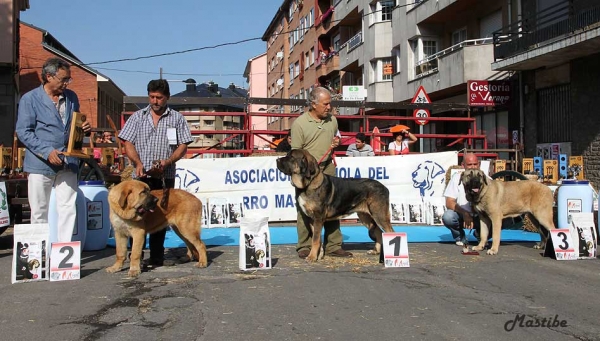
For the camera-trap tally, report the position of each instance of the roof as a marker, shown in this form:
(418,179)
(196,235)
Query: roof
(275,21)
(249,64)
(213,90)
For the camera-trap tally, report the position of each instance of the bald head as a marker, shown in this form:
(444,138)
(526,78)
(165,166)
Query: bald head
(470,161)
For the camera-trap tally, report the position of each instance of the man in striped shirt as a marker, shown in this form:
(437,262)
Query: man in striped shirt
(156,133)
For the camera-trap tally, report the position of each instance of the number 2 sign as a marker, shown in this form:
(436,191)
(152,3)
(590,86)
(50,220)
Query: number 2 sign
(65,261)
(395,250)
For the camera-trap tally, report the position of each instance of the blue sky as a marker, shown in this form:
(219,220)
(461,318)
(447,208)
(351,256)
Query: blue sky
(97,31)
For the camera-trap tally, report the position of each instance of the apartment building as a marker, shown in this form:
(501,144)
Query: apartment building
(200,124)
(10,12)
(302,52)
(392,47)
(555,47)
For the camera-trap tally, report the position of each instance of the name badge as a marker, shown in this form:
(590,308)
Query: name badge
(172,135)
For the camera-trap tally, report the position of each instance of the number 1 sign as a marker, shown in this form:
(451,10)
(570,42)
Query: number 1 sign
(65,261)
(395,250)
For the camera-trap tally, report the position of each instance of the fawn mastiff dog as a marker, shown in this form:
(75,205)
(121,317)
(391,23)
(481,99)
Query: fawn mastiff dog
(134,211)
(322,197)
(494,200)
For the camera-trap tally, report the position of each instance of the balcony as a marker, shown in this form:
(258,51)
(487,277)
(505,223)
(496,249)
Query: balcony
(351,50)
(552,36)
(453,66)
(327,64)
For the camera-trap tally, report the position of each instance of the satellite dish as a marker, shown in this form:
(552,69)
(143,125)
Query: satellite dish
(280,81)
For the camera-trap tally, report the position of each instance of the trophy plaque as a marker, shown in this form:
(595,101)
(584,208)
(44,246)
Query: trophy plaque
(76,134)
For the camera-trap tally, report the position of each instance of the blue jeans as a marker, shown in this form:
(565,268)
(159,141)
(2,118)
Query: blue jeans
(455,222)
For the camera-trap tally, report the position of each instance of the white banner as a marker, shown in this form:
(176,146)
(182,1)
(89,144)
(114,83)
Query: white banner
(4,216)
(235,187)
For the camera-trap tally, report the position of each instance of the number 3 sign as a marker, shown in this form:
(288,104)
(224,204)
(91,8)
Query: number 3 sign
(561,245)
(395,250)
(65,261)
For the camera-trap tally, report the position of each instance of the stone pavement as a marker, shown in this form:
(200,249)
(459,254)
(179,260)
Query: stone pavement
(442,296)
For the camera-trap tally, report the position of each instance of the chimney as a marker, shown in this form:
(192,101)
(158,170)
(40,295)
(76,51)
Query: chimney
(190,85)
(213,87)
(232,86)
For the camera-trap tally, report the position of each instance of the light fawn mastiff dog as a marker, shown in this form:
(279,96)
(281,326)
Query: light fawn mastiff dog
(494,200)
(134,212)
(322,197)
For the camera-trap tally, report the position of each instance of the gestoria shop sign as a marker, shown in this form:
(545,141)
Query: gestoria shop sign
(488,93)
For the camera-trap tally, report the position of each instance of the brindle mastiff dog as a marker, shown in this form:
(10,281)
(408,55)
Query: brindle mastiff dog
(134,212)
(494,200)
(322,197)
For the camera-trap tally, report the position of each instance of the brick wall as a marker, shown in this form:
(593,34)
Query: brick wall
(33,56)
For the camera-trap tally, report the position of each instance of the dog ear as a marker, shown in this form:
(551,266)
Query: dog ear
(485,178)
(123,199)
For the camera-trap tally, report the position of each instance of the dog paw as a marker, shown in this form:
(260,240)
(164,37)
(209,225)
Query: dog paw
(113,269)
(372,252)
(311,258)
(201,264)
(492,252)
(134,273)
(478,248)
(539,246)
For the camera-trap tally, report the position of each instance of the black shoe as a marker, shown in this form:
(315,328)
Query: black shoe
(152,263)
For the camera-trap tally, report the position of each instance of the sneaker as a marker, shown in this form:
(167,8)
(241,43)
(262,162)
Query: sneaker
(460,241)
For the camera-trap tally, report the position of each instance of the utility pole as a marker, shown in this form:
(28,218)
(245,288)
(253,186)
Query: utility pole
(161,73)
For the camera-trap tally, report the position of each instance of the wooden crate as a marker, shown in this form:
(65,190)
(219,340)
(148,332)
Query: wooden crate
(551,171)
(20,157)
(499,165)
(577,161)
(6,159)
(527,166)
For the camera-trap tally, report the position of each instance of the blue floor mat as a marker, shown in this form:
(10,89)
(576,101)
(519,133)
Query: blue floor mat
(352,234)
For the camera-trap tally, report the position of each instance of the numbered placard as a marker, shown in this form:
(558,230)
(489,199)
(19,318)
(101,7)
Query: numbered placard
(395,250)
(65,261)
(560,245)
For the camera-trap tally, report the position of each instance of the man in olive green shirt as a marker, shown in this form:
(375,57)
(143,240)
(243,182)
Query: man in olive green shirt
(316,132)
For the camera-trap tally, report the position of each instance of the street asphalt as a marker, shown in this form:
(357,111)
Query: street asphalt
(443,295)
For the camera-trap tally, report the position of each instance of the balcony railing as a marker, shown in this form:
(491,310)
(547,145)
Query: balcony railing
(430,64)
(352,43)
(551,23)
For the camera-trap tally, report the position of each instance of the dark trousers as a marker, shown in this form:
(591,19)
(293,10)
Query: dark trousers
(157,239)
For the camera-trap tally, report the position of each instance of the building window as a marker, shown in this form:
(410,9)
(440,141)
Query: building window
(291,74)
(209,123)
(291,11)
(459,36)
(291,42)
(311,17)
(336,43)
(396,57)
(387,69)
(296,69)
(306,60)
(387,7)
(312,55)
(429,48)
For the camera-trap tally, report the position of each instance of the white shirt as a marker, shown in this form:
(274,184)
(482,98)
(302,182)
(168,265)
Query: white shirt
(398,149)
(456,191)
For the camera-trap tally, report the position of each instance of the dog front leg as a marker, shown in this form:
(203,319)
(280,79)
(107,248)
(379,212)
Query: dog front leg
(139,237)
(121,253)
(316,228)
(496,232)
(485,223)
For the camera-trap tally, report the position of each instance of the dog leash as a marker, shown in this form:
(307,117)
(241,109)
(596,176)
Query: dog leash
(326,154)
